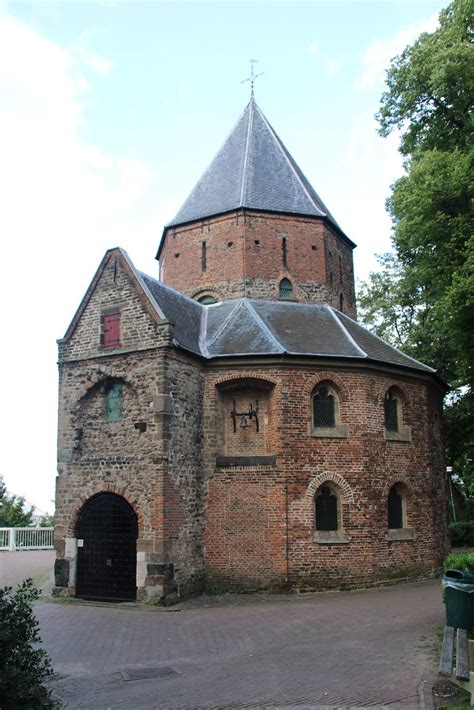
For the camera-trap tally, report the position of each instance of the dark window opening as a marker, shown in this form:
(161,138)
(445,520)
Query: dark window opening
(207,299)
(324,408)
(341,302)
(229,244)
(176,255)
(257,242)
(110,327)
(284,252)
(326,510)
(203,256)
(313,247)
(286,290)
(391,411)
(395,509)
(114,403)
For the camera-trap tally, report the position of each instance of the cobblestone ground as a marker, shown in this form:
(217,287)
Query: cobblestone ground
(358,649)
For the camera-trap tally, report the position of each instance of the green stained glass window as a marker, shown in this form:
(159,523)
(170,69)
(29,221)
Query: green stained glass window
(114,402)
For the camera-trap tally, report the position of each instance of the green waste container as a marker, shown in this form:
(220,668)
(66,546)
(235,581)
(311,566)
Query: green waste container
(459,598)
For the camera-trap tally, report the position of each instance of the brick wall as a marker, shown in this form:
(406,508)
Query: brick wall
(245,257)
(248,505)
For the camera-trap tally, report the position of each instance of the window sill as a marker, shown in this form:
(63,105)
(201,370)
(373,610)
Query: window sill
(228,461)
(340,431)
(401,534)
(330,537)
(404,434)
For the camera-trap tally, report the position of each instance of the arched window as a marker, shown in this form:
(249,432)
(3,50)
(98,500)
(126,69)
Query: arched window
(286,290)
(114,402)
(392,411)
(397,514)
(395,509)
(324,407)
(325,413)
(327,518)
(207,299)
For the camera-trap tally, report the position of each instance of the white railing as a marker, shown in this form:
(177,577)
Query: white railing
(26,539)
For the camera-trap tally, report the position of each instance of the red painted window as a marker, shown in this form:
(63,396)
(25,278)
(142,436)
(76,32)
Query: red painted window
(110,337)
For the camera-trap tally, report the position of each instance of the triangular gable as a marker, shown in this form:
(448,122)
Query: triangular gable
(136,281)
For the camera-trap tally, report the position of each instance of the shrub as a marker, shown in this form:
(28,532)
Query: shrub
(462,533)
(23,666)
(464,561)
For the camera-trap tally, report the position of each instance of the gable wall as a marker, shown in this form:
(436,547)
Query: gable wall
(114,289)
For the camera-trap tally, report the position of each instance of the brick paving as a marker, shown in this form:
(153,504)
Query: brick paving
(357,649)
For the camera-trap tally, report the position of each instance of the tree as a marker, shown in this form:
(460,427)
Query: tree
(12,510)
(422,300)
(23,665)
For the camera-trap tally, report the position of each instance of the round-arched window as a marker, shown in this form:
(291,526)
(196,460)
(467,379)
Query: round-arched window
(286,290)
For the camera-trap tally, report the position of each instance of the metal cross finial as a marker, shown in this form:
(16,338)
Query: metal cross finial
(252,76)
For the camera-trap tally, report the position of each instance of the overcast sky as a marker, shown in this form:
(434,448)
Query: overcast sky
(109,113)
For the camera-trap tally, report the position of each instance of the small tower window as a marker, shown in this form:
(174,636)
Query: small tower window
(341,302)
(114,403)
(110,330)
(203,256)
(286,290)
(284,254)
(205,300)
(395,508)
(391,411)
(326,510)
(324,408)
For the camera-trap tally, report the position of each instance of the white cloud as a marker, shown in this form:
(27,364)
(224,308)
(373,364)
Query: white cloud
(333,66)
(378,55)
(64,202)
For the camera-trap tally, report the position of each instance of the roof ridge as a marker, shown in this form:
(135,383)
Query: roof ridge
(246,157)
(264,326)
(209,165)
(332,311)
(393,347)
(285,153)
(203,333)
(224,323)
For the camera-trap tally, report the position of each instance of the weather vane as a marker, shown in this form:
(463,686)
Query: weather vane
(252,76)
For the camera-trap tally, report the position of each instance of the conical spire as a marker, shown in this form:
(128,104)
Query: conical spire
(253,169)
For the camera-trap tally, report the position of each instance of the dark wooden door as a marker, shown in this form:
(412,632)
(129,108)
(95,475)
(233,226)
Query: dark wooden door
(107,534)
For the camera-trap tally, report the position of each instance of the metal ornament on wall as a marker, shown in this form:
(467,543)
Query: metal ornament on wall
(245,417)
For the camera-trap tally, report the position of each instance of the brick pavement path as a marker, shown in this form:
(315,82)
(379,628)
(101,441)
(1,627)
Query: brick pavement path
(358,649)
(17,566)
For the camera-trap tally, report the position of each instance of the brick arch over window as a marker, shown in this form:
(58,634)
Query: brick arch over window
(315,484)
(393,481)
(91,491)
(332,379)
(242,378)
(203,292)
(399,389)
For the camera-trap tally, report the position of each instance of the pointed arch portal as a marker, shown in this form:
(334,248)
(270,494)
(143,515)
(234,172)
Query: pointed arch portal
(107,532)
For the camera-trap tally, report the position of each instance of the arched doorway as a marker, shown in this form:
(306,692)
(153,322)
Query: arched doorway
(107,534)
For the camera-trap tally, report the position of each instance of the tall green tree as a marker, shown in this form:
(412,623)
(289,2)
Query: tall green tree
(13,513)
(422,299)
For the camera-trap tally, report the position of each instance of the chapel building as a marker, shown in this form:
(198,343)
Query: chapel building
(231,425)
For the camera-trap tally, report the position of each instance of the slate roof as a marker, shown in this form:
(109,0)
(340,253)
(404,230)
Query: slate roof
(253,169)
(244,327)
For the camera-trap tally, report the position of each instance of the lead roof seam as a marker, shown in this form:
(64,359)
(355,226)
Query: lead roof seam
(346,332)
(392,347)
(247,145)
(203,334)
(264,327)
(142,283)
(224,324)
(277,141)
